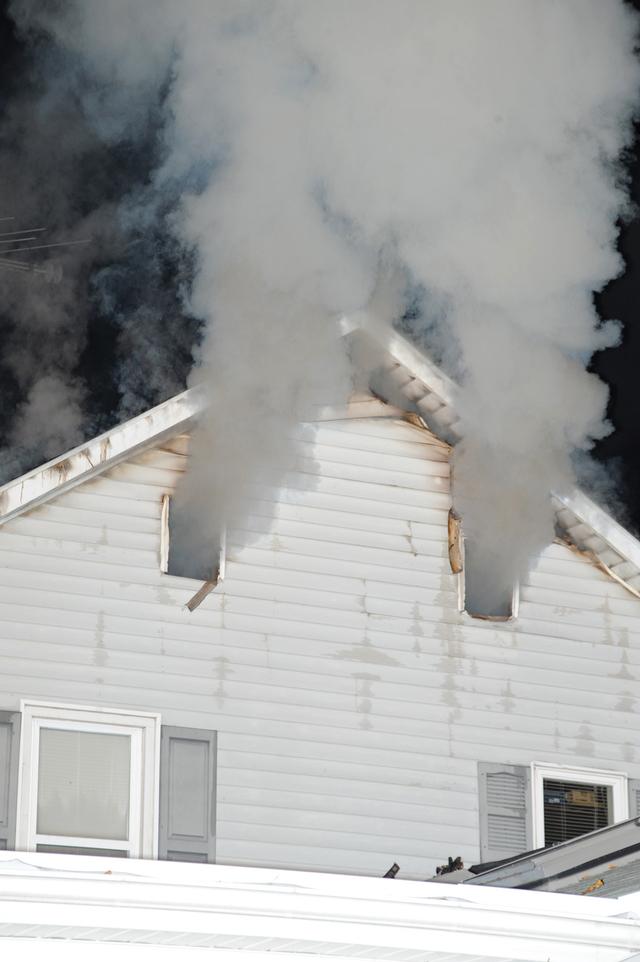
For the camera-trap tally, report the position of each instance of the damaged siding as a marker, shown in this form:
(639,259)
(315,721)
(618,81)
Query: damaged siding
(351,698)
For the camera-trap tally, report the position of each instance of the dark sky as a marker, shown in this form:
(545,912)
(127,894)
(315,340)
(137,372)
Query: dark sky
(99,362)
(619,367)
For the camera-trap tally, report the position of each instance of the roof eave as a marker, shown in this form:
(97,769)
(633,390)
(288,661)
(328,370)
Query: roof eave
(95,456)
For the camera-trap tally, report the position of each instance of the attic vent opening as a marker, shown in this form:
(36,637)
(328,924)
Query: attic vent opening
(574,808)
(488,593)
(185,553)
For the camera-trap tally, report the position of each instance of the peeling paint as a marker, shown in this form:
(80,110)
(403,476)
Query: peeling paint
(100,657)
(507,701)
(364,697)
(367,653)
(584,742)
(627,703)
(623,671)
(221,671)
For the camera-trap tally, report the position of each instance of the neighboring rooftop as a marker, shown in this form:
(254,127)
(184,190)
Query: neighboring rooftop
(604,863)
(107,908)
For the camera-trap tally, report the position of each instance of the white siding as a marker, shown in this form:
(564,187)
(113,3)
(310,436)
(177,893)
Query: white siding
(352,699)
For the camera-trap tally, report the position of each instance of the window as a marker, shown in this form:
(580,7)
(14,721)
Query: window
(523,807)
(485,591)
(186,551)
(568,802)
(88,781)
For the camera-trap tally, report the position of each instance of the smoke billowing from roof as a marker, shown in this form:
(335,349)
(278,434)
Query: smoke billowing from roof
(477,142)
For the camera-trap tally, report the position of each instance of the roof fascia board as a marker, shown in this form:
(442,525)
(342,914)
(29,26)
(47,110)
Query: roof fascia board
(402,351)
(92,458)
(617,537)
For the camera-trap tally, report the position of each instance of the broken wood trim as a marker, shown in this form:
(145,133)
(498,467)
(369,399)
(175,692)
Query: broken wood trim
(490,617)
(208,586)
(454,537)
(164,533)
(202,593)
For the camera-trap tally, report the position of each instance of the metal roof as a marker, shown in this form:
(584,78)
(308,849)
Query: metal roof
(609,881)
(610,856)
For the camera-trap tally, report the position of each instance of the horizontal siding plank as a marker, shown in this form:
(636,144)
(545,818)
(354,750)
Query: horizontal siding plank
(379,476)
(283,529)
(150,475)
(360,491)
(428,511)
(336,794)
(398,571)
(295,511)
(32,526)
(63,515)
(418,462)
(311,827)
(123,507)
(560,599)
(303,859)
(330,549)
(377,428)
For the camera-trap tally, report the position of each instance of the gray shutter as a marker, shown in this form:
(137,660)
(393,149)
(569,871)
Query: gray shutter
(187,795)
(634,797)
(505,811)
(9,748)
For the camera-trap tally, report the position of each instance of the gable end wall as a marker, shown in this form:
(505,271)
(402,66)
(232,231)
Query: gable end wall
(351,698)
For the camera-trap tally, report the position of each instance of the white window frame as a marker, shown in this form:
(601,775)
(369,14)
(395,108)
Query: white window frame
(165,544)
(144,730)
(617,781)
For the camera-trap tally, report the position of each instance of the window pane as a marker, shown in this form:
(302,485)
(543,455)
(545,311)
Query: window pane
(488,588)
(574,808)
(193,551)
(78,850)
(83,784)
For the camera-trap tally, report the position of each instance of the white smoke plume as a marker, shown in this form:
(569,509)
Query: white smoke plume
(478,141)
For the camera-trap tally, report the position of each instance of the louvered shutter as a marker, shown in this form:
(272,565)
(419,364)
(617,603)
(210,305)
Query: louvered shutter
(187,795)
(634,797)
(9,748)
(505,811)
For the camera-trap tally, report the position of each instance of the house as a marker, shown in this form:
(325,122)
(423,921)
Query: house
(328,705)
